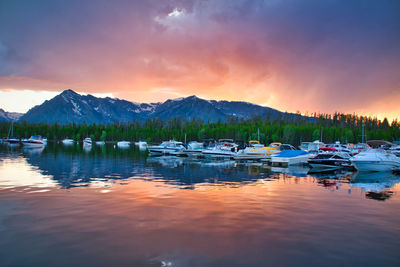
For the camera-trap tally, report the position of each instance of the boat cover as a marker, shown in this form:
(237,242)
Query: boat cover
(291,153)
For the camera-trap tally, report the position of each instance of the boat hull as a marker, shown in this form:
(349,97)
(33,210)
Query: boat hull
(68,142)
(376,166)
(286,161)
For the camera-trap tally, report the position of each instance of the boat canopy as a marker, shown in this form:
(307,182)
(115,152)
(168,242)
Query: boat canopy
(291,153)
(378,143)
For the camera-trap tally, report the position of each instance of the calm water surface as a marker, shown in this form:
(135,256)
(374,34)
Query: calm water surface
(66,206)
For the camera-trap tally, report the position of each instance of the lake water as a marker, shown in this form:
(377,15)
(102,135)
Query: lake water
(65,206)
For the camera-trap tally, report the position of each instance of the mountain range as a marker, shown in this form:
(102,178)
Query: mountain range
(69,107)
(9,116)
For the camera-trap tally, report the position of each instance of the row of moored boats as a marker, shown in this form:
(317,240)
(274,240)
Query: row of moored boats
(319,156)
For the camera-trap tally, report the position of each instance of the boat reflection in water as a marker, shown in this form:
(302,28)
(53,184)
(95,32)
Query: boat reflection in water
(119,207)
(166,161)
(376,185)
(294,170)
(33,150)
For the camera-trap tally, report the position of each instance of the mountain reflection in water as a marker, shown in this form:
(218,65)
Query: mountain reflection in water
(108,206)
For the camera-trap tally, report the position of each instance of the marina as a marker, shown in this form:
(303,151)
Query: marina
(160,210)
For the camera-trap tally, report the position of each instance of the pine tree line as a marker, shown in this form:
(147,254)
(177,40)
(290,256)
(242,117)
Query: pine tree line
(287,128)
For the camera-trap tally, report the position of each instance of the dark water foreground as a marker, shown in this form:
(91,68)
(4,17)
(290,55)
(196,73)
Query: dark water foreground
(64,206)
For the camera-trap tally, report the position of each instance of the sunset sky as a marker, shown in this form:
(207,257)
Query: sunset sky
(294,55)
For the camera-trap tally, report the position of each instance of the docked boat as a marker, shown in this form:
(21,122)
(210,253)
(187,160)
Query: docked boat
(100,143)
(336,147)
(10,140)
(376,160)
(68,141)
(311,147)
(141,143)
(256,151)
(289,157)
(123,144)
(34,141)
(223,148)
(329,161)
(395,150)
(358,148)
(171,147)
(193,148)
(275,144)
(87,141)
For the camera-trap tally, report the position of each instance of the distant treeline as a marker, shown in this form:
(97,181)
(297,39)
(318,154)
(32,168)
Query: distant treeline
(287,129)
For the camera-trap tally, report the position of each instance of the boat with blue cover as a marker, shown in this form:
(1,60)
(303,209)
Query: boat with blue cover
(289,157)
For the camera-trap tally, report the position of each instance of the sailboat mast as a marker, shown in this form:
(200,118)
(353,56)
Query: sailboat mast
(11,130)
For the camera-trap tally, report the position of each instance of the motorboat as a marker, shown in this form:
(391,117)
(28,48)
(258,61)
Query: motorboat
(289,157)
(256,151)
(171,147)
(336,147)
(311,147)
(141,144)
(329,161)
(275,144)
(68,142)
(193,148)
(255,144)
(360,147)
(34,141)
(376,160)
(223,148)
(395,150)
(87,142)
(123,144)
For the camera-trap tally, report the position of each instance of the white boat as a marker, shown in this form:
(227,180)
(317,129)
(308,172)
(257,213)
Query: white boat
(395,150)
(376,160)
(224,148)
(171,147)
(123,144)
(141,143)
(100,143)
(289,157)
(360,147)
(68,142)
(34,141)
(256,151)
(311,147)
(193,148)
(336,147)
(12,141)
(87,142)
